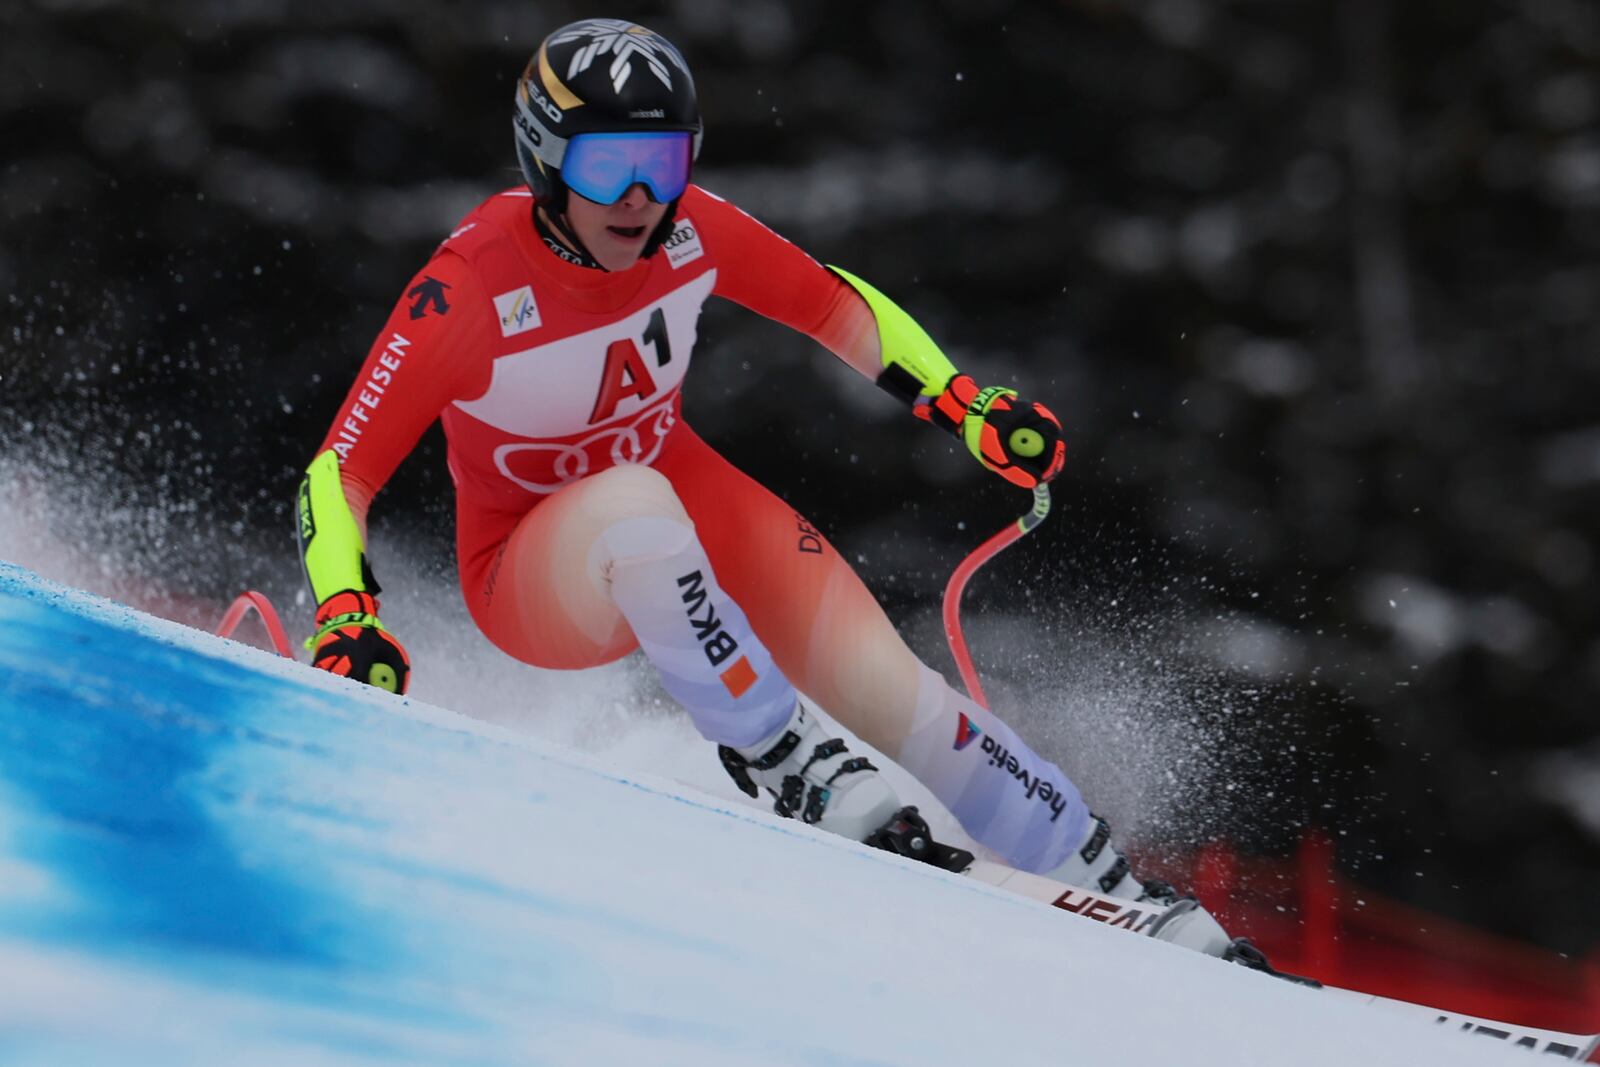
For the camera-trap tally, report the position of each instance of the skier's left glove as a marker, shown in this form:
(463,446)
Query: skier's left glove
(350,641)
(1018,439)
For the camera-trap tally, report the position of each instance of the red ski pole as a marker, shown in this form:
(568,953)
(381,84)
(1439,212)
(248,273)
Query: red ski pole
(966,569)
(248,601)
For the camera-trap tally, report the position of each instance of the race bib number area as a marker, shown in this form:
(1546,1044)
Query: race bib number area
(609,389)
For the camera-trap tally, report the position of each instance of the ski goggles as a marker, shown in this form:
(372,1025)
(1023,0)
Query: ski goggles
(603,166)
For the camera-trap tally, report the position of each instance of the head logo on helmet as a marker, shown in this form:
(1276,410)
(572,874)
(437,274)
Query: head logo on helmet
(599,76)
(551,112)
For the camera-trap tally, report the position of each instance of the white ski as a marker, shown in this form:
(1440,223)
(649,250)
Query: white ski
(1143,918)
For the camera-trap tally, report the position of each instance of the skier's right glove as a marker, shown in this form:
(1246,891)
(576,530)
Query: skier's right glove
(350,641)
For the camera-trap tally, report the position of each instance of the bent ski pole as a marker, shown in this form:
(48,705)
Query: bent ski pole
(243,604)
(967,568)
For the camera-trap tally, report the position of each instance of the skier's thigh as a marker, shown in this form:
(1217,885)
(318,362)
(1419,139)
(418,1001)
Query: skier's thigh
(551,605)
(823,626)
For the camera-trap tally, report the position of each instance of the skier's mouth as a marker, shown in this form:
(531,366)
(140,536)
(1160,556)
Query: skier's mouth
(627,233)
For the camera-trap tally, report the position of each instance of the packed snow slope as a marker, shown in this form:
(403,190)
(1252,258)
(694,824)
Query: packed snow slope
(211,855)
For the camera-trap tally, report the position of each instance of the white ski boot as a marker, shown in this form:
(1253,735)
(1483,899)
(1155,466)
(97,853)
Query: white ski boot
(814,778)
(1099,866)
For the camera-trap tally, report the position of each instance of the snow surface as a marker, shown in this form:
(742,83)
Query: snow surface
(212,855)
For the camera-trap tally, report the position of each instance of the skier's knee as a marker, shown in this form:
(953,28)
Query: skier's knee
(632,490)
(638,515)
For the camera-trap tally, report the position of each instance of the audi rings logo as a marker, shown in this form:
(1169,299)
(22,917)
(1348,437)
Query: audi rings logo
(683,245)
(639,441)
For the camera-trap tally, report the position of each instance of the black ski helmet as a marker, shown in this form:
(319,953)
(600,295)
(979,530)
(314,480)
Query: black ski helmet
(599,76)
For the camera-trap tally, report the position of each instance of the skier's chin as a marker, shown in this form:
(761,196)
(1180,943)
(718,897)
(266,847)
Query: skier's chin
(619,247)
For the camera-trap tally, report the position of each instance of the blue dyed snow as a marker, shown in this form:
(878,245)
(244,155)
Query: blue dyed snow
(106,734)
(241,824)
(158,788)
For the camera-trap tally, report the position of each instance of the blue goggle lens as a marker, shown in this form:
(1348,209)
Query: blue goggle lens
(603,166)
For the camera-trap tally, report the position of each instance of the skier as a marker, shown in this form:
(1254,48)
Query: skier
(551,332)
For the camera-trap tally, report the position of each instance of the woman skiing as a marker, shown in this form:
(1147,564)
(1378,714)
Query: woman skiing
(551,332)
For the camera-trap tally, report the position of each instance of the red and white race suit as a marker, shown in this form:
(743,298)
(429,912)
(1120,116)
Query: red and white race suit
(546,374)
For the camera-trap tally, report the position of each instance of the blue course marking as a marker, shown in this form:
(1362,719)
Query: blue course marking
(164,796)
(102,732)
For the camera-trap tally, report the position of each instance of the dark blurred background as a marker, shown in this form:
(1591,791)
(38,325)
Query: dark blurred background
(1312,284)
